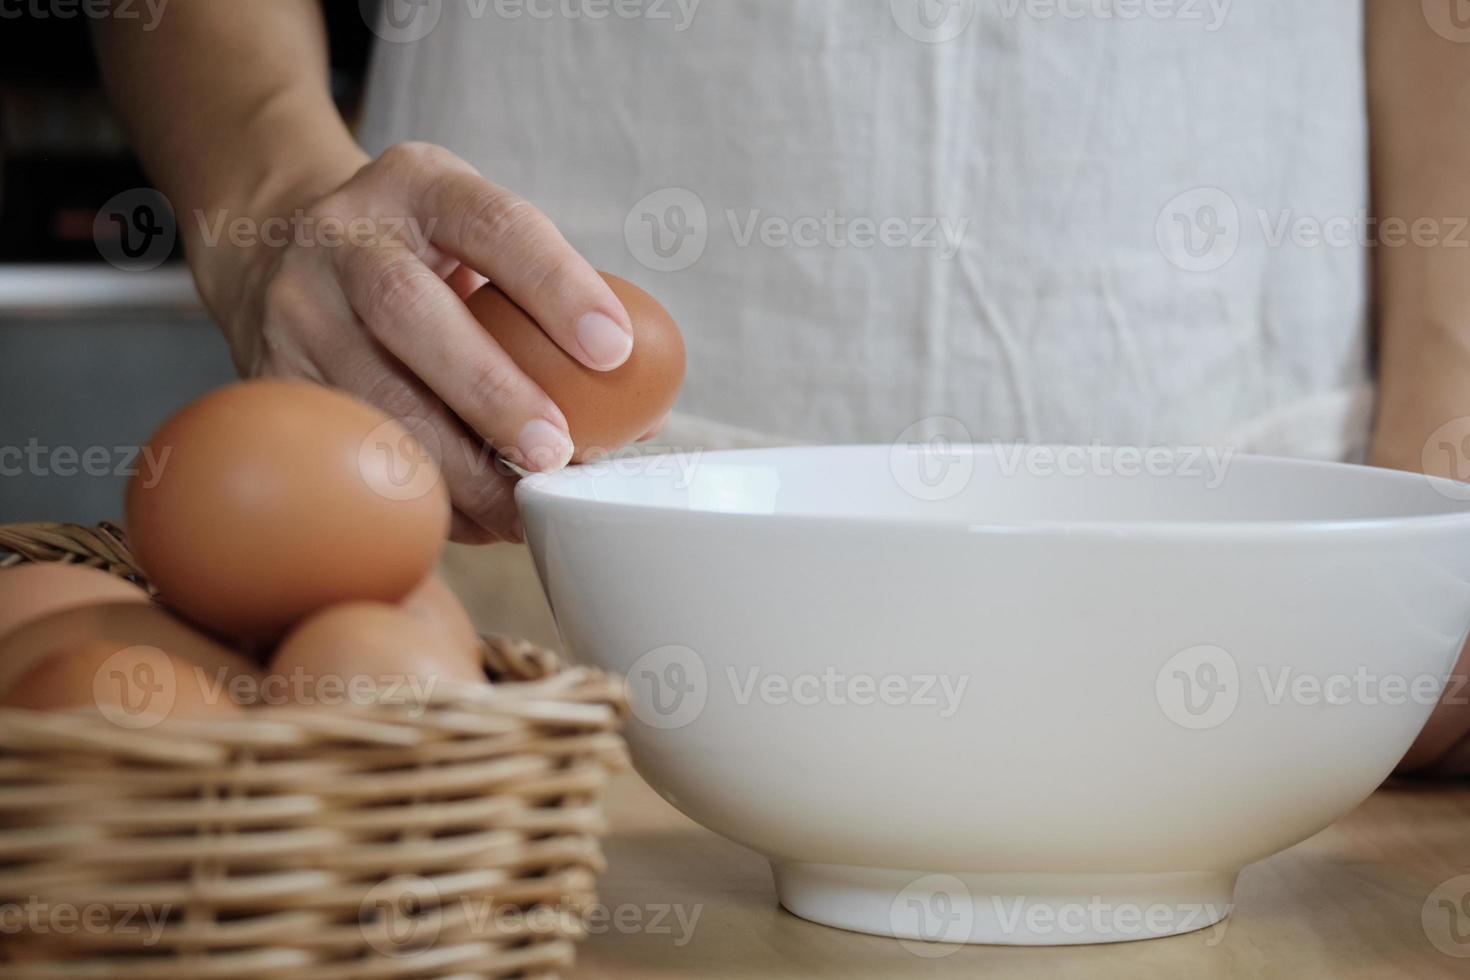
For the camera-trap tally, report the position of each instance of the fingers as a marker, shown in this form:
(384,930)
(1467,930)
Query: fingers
(483,494)
(385,320)
(465,281)
(464,530)
(419,319)
(504,237)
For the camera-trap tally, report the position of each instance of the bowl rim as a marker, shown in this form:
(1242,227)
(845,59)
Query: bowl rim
(548,490)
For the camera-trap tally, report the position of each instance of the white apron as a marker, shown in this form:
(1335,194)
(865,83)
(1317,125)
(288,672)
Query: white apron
(1049,220)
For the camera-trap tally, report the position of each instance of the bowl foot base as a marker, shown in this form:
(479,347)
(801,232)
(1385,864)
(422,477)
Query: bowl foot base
(1011,908)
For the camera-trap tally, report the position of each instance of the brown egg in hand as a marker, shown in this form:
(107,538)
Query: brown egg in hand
(605,409)
(278,498)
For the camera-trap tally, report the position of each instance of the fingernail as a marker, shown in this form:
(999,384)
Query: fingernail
(607,344)
(543,446)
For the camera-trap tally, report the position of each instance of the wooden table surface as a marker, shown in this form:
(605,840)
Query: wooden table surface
(1357,900)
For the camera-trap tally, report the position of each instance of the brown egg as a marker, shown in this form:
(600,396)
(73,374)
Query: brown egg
(279,498)
(361,652)
(605,409)
(436,605)
(31,591)
(114,627)
(133,686)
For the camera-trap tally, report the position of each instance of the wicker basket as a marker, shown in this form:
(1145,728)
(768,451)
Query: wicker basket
(454,838)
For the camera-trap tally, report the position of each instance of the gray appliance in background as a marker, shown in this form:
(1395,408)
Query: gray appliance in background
(92,359)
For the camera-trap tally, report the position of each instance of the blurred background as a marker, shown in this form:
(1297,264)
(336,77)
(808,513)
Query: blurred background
(95,349)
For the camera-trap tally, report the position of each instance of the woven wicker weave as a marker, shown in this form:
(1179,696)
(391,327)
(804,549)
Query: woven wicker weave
(457,837)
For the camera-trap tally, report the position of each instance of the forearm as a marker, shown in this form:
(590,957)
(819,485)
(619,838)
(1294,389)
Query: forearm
(228,104)
(1419,99)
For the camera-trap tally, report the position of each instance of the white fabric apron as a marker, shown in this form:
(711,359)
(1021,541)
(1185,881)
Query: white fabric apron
(1041,151)
(1050,220)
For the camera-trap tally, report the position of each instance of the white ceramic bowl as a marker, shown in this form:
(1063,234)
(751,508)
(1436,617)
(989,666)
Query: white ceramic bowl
(1006,695)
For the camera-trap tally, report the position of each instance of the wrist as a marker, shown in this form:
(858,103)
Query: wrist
(1425,433)
(233,241)
(1423,394)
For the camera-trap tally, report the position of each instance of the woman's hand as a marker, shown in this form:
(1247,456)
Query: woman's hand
(365,294)
(353,270)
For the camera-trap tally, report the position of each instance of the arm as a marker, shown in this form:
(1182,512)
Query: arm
(211,98)
(229,107)
(1419,101)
